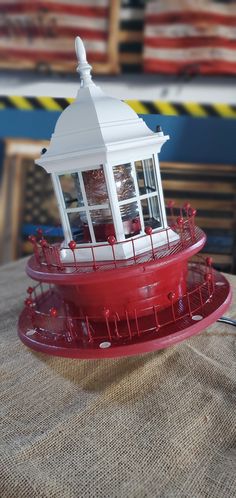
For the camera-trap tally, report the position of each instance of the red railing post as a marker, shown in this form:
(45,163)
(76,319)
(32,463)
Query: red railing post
(88,329)
(167,237)
(170,205)
(94,260)
(106,316)
(148,231)
(156,317)
(209,262)
(191,219)
(136,322)
(134,255)
(128,324)
(171,297)
(180,224)
(189,306)
(112,241)
(33,241)
(72,245)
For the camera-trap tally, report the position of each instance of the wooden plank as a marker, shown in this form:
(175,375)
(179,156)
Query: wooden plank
(130,36)
(130,58)
(199,186)
(219,258)
(221,223)
(206,205)
(208,168)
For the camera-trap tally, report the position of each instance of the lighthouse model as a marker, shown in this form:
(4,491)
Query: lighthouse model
(126,279)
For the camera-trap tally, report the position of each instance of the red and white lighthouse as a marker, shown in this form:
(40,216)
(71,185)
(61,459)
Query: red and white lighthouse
(122,281)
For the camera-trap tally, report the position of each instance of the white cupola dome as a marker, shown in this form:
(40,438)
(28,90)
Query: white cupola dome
(95,127)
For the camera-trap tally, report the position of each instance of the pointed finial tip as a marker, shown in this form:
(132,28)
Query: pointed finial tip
(80,50)
(83,68)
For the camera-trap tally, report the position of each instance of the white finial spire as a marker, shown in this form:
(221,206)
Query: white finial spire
(83,68)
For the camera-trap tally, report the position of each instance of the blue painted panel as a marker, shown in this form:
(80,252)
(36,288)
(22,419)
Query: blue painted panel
(204,140)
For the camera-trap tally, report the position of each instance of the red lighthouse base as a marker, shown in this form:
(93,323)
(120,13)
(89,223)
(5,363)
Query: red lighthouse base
(205,300)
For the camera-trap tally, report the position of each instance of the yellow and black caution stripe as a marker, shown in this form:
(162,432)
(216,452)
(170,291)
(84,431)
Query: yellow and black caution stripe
(194,109)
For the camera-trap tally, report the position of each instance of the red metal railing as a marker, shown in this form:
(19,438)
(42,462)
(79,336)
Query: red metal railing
(49,257)
(58,323)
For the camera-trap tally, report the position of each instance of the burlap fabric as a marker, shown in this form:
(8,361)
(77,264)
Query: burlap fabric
(157,425)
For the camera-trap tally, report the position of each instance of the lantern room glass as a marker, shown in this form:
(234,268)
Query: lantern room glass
(138,196)
(86,206)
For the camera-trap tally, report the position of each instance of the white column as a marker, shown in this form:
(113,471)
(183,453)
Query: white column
(60,203)
(160,190)
(114,205)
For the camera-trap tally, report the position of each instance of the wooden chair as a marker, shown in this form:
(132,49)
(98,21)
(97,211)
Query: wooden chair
(211,189)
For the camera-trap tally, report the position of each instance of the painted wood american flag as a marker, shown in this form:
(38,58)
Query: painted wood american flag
(190,36)
(41,32)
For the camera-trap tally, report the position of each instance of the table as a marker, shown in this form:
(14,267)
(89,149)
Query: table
(155,425)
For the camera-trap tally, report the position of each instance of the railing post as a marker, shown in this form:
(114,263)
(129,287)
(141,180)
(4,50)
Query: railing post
(112,241)
(88,329)
(128,324)
(133,250)
(180,223)
(209,262)
(191,219)
(94,260)
(53,314)
(189,306)
(136,322)
(106,316)
(72,245)
(156,318)
(171,297)
(170,205)
(33,241)
(148,231)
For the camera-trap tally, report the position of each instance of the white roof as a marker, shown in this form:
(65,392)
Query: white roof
(95,127)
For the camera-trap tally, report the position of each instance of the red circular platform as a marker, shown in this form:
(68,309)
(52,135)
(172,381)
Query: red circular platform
(47,325)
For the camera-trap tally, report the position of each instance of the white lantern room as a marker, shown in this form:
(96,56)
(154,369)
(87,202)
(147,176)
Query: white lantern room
(103,160)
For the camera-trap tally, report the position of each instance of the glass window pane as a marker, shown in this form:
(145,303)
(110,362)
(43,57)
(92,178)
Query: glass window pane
(146,176)
(130,218)
(151,212)
(102,224)
(79,227)
(125,187)
(95,186)
(71,190)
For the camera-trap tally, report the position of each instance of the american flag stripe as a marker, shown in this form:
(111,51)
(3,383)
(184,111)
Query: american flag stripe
(189,30)
(66,8)
(190,42)
(193,35)
(63,21)
(43,31)
(203,7)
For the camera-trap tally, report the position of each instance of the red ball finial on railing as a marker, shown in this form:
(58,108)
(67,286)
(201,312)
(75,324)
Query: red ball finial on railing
(192,212)
(72,245)
(111,240)
(209,261)
(53,312)
(170,204)
(187,206)
(43,243)
(208,277)
(28,302)
(106,313)
(32,239)
(30,290)
(39,232)
(148,230)
(180,221)
(171,296)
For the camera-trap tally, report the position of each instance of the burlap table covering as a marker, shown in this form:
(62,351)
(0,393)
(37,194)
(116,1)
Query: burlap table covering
(156,425)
